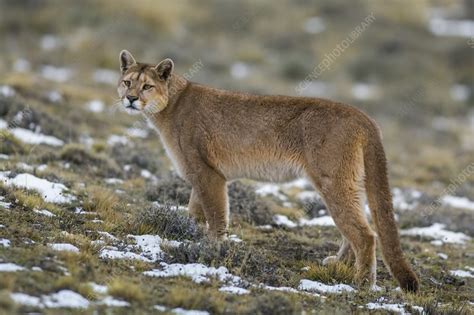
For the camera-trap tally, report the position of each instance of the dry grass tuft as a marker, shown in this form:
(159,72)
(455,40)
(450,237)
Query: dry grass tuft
(337,272)
(208,299)
(125,289)
(105,203)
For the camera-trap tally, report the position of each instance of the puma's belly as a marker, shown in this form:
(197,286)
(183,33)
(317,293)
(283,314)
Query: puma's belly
(261,169)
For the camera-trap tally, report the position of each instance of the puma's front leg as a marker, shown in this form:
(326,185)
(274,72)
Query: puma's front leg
(195,208)
(210,190)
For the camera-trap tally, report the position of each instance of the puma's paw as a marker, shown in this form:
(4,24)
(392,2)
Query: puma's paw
(329,260)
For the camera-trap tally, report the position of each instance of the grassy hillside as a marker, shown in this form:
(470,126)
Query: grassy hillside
(94,219)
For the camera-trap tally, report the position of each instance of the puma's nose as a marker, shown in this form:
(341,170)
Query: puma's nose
(132,98)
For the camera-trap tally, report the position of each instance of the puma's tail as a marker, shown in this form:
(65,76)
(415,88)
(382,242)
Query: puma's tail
(380,204)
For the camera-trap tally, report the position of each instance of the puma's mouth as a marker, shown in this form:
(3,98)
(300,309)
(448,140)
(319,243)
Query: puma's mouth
(131,107)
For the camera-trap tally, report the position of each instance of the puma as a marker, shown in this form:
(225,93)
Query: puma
(214,136)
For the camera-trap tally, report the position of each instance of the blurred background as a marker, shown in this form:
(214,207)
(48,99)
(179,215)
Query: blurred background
(410,65)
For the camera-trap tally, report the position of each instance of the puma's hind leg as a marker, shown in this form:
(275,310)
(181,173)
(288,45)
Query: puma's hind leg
(352,223)
(345,254)
(340,182)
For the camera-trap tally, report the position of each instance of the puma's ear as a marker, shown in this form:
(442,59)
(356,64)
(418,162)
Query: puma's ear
(165,68)
(126,60)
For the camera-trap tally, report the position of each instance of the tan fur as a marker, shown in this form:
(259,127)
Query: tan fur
(214,136)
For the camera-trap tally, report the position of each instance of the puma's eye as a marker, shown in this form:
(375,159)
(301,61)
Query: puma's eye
(147,86)
(127,83)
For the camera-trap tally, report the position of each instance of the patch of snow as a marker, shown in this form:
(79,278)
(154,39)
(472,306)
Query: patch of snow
(61,299)
(307,195)
(112,253)
(64,247)
(146,173)
(300,183)
(4,156)
(458,202)
(283,289)
(148,247)
(137,132)
(198,273)
(113,181)
(443,256)
(95,106)
(7,91)
(308,285)
(182,311)
(54,96)
(5,242)
(3,124)
(234,238)
(264,227)
(30,137)
(363,91)
(116,139)
(270,190)
(443,27)
(160,308)
(45,213)
(314,25)
(461,273)
(10,267)
(106,76)
(172,207)
(86,140)
(65,299)
(21,65)
(25,299)
(4,204)
(283,220)
(56,74)
(316,88)
(107,235)
(438,233)
(234,290)
(24,167)
(110,301)
(320,221)
(405,199)
(42,167)
(36,268)
(239,70)
(51,192)
(460,92)
(98,288)
(396,308)
(49,42)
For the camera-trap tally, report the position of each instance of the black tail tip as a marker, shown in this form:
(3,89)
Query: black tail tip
(410,283)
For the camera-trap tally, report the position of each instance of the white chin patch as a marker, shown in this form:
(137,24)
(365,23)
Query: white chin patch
(135,110)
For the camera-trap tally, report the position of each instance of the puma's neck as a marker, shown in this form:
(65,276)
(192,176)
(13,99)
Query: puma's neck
(176,87)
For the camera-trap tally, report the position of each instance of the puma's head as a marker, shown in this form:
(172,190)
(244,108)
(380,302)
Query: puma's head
(143,88)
